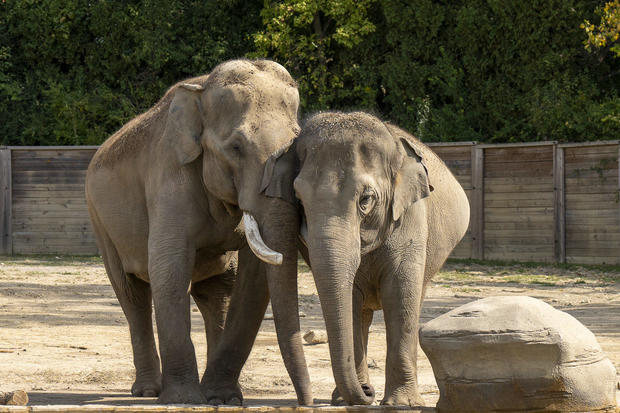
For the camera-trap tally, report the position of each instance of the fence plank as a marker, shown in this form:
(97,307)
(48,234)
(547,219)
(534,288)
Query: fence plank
(6,244)
(559,210)
(477,202)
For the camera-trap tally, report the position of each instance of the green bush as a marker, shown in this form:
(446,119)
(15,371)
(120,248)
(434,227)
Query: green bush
(72,72)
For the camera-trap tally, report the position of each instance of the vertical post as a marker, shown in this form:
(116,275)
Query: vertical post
(6,241)
(559,205)
(477,202)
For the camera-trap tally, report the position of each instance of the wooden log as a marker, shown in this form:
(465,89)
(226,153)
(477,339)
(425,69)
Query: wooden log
(14,398)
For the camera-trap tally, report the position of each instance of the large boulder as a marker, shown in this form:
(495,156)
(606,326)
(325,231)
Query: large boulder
(516,353)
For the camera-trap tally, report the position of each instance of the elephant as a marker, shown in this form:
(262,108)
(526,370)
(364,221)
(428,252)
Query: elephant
(177,205)
(381,213)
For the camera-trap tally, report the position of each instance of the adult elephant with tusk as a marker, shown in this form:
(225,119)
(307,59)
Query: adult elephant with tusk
(382,213)
(176,202)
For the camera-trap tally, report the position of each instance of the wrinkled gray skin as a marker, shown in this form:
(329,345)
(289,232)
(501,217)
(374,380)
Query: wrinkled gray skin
(166,194)
(378,228)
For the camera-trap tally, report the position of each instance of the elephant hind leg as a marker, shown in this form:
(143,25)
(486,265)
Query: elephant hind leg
(134,296)
(212,296)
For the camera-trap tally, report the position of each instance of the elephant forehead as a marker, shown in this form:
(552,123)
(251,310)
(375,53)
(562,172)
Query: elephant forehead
(351,156)
(262,91)
(256,112)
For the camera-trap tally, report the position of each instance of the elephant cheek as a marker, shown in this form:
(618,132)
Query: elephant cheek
(219,179)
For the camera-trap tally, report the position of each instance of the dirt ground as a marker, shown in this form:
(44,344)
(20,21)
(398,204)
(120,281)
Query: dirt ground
(64,338)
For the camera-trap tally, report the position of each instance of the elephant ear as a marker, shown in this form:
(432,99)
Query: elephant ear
(280,171)
(184,123)
(412,182)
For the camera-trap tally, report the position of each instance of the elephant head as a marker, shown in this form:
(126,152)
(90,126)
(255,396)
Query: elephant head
(355,180)
(232,121)
(236,117)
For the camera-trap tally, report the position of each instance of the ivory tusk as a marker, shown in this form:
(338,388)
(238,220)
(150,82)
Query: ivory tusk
(256,243)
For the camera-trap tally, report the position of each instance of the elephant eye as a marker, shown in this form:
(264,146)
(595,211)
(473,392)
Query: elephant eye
(366,201)
(236,149)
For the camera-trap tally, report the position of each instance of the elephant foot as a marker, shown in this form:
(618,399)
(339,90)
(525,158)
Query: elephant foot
(181,394)
(223,395)
(337,400)
(404,396)
(146,387)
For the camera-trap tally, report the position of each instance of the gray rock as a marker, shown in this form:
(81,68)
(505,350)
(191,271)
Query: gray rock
(316,337)
(516,353)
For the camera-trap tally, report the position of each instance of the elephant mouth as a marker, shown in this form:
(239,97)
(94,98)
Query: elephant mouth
(256,243)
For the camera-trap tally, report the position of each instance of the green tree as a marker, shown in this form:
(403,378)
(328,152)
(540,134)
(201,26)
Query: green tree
(606,33)
(72,72)
(309,38)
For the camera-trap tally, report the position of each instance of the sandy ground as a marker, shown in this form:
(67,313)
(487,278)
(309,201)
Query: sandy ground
(64,338)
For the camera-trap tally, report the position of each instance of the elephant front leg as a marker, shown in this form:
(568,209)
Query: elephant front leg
(362,319)
(401,293)
(248,303)
(171,260)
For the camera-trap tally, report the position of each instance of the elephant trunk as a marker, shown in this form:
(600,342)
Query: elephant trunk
(280,228)
(334,261)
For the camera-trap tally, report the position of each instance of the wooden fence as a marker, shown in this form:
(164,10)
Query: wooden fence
(540,201)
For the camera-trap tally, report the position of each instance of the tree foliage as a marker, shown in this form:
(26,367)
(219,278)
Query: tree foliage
(606,33)
(72,72)
(308,37)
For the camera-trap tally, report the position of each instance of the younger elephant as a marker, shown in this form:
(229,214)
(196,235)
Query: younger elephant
(377,231)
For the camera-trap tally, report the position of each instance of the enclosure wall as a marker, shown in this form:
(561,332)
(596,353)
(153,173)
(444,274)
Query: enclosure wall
(529,202)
